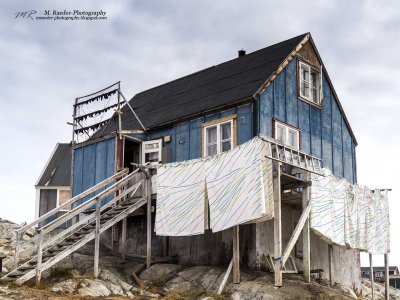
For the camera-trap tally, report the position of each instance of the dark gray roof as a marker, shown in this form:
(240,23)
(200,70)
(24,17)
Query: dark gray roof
(366,269)
(218,86)
(58,170)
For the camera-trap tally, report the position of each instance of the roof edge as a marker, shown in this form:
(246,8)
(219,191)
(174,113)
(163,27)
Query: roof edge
(47,164)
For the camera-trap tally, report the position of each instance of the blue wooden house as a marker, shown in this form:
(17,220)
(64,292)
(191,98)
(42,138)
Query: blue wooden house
(282,91)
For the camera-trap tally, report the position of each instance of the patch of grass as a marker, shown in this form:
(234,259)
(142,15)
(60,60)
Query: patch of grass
(60,273)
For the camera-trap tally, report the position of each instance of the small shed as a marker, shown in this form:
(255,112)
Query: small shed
(54,184)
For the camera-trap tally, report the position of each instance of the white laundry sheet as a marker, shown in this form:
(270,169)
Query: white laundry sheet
(239,185)
(347,215)
(180,198)
(328,195)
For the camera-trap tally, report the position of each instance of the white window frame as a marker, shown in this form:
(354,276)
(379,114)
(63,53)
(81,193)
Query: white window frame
(219,136)
(145,151)
(309,82)
(286,133)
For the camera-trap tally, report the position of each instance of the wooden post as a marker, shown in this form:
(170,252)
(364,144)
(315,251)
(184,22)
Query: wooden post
(97,240)
(277,223)
(371,271)
(225,279)
(330,259)
(387,276)
(236,255)
(306,232)
(123,239)
(39,260)
(148,194)
(16,251)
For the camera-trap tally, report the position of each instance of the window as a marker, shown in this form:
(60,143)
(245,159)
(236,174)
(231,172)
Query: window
(310,83)
(151,151)
(287,135)
(218,137)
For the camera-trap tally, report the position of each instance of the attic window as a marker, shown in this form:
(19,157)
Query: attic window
(309,83)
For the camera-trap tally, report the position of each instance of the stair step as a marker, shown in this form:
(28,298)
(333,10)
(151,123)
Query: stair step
(26,268)
(16,274)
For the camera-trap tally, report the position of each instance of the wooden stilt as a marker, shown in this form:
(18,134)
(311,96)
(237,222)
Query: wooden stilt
(387,276)
(113,239)
(306,233)
(123,239)
(97,240)
(236,255)
(39,260)
(371,271)
(148,194)
(277,223)
(330,259)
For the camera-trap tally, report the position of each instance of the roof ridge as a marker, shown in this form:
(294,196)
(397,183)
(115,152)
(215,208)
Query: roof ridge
(214,66)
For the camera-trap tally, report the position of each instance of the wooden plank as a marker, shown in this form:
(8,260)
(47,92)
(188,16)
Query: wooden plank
(225,279)
(296,233)
(386,258)
(39,260)
(123,239)
(97,241)
(148,194)
(236,255)
(306,196)
(371,271)
(277,223)
(331,264)
(16,251)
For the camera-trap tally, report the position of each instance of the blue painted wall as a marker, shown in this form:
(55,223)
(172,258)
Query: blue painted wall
(186,137)
(323,132)
(92,164)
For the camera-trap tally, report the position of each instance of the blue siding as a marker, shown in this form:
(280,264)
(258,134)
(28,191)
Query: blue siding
(323,132)
(186,137)
(92,164)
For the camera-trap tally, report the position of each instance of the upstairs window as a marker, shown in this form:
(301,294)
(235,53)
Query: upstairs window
(309,83)
(218,137)
(287,135)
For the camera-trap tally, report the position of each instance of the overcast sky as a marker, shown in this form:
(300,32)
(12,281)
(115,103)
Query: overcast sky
(44,65)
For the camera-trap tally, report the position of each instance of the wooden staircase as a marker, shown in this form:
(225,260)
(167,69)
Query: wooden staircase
(54,244)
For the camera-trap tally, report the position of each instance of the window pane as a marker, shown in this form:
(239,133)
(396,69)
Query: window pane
(226,131)
(280,133)
(305,71)
(293,139)
(151,157)
(305,89)
(211,135)
(225,146)
(212,149)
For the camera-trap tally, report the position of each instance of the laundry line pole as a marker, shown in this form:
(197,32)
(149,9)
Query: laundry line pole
(371,272)
(277,223)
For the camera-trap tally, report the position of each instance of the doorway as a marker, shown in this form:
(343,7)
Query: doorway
(131,153)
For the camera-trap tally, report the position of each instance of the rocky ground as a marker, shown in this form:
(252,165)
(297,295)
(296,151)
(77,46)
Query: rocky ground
(73,279)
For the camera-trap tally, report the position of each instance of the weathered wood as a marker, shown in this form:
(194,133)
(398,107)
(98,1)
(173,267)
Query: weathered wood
(137,272)
(277,223)
(306,196)
(236,254)
(123,239)
(16,251)
(148,194)
(331,264)
(371,271)
(73,200)
(296,233)
(97,241)
(386,258)
(225,279)
(39,260)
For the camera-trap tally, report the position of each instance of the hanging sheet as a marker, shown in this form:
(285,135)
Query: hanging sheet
(239,185)
(328,197)
(180,199)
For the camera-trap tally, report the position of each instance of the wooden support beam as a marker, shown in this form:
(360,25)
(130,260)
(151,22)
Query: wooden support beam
(277,223)
(306,197)
(296,233)
(123,239)
(330,260)
(236,255)
(225,279)
(97,241)
(386,276)
(148,194)
(371,271)
(39,260)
